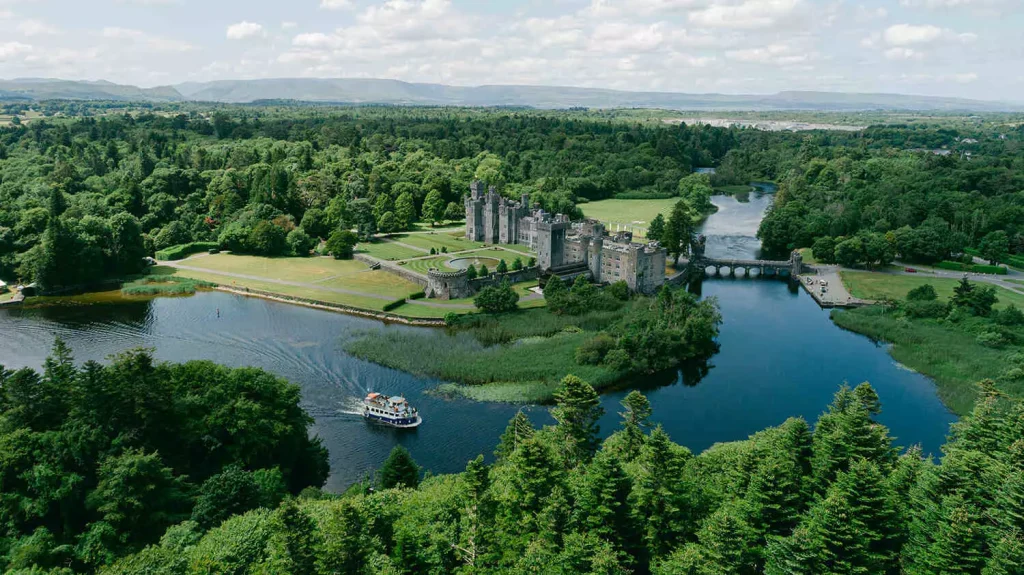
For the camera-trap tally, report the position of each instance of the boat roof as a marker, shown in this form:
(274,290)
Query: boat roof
(398,399)
(372,395)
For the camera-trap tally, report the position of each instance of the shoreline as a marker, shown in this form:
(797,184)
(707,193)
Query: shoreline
(326,306)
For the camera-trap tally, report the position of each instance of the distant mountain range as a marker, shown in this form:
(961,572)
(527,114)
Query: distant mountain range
(373,91)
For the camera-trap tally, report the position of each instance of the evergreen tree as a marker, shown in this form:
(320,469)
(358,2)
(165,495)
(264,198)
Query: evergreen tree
(634,422)
(601,501)
(679,232)
(1009,505)
(656,228)
(729,544)
(847,432)
(959,545)
(875,515)
(577,411)
(1007,556)
(827,542)
(399,470)
(519,429)
(774,497)
(502,267)
(471,272)
(658,499)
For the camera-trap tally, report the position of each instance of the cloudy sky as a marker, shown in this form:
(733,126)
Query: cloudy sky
(969,48)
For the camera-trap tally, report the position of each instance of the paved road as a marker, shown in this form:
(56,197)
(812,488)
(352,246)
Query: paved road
(923,271)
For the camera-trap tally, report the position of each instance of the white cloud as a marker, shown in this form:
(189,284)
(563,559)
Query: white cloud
(777,54)
(336,4)
(36,28)
(9,50)
(908,35)
(244,30)
(749,14)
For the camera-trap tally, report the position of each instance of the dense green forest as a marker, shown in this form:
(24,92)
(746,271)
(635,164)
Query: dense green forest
(98,461)
(836,499)
(879,204)
(83,197)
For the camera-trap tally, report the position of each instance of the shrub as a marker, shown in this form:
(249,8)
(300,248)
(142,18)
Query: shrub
(991,339)
(394,305)
(1010,316)
(502,267)
(1013,374)
(517,264)
(418,295)
(433,251)
(618,359)
(299,242)
(619,290)
(341,244)
(184,250)
(923,309)
(924,292)
(594,350)
(985,269)
(498,299)
(451,319)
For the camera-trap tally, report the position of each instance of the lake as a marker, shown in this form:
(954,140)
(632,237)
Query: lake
(780,356)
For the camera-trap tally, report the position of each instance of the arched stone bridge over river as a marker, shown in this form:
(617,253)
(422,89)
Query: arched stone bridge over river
(699,264)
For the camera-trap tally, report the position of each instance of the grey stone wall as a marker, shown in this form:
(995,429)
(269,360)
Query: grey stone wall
(448,285)
(513,277)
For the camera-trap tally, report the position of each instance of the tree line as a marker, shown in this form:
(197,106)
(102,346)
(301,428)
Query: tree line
(836,499)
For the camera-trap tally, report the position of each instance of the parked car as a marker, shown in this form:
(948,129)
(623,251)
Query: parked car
(910,270)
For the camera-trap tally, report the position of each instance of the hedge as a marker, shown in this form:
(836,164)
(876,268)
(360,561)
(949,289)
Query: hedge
(184,250)
(1016,261)
(394,305)
(976,268)
(418,295)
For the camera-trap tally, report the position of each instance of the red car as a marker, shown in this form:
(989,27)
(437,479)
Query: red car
(910,270)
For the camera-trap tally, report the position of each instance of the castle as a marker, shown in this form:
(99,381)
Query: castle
(564,248)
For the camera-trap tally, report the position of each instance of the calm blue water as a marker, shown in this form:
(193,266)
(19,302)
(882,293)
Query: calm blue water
(780,356)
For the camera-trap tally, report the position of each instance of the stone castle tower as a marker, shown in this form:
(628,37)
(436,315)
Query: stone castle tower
(491,218)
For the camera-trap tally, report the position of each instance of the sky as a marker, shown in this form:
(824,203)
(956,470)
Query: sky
(964,48)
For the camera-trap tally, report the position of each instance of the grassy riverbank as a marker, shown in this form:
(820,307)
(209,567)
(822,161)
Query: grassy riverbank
(519,357)
(950,353)
(878,286)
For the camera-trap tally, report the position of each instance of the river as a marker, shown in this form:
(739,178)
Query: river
(780,356)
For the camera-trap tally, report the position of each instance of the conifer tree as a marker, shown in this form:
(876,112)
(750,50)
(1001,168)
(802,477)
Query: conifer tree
(519,429)
(601,501)
(399,470)
(657,494)
(1007,557)
(876,517)
(959,545)
(578,409)
(635,420)
(843,434)
(730,545)
(827,542)
(774,497)
(1009,506)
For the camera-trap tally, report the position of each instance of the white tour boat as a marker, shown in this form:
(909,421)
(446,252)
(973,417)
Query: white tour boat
(393,411)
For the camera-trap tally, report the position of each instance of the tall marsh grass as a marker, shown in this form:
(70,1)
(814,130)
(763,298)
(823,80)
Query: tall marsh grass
(948,353)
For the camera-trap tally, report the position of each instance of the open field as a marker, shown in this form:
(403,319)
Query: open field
(319,276)
(385,250)
(736,189)
(6,295)
(631,212)
(875,286)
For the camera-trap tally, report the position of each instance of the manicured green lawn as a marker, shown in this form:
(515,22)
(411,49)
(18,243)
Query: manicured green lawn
(329,273)
(438,241)
(637,213)
(385,250)
(737,189)
(6,295)
(422,265)
(874,286)
(306,270)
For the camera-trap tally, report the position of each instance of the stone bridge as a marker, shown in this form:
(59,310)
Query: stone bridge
(764,268)
(698,266)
